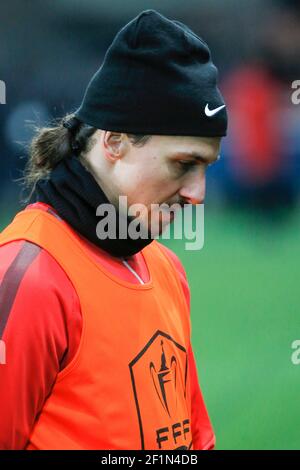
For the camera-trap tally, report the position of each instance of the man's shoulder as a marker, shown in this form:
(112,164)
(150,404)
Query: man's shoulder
(27,265)
(180,270)
(174,258)
(176,262)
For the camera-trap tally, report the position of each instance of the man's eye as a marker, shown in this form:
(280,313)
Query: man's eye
(187,165)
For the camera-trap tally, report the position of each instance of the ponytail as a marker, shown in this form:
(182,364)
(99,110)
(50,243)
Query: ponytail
(50,145)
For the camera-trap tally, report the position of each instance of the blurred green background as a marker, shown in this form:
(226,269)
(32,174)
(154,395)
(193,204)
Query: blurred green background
(245,315)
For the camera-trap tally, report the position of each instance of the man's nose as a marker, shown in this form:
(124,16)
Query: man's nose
(193,191)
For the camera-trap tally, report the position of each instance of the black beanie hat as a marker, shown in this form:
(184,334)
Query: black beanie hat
(157,77)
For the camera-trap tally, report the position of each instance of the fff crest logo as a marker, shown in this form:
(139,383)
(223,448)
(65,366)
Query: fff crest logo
(159,376)
(164,377)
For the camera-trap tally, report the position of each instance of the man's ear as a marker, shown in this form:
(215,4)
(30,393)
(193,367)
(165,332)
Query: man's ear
(114,145)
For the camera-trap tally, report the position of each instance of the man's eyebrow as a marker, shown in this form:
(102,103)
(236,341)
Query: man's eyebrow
(196,156)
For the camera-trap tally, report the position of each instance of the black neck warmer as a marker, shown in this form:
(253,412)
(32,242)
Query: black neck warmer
(75,195)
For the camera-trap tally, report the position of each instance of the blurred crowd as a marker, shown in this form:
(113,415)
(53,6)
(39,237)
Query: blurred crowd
(49,51)
(262,152)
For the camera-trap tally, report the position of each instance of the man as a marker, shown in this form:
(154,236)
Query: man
(97,330)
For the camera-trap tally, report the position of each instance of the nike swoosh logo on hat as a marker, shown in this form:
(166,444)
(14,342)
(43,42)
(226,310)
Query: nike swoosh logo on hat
(212,112)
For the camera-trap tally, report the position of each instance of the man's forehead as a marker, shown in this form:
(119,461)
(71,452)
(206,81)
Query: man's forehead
(192,143)
(203,157)
(204,150)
